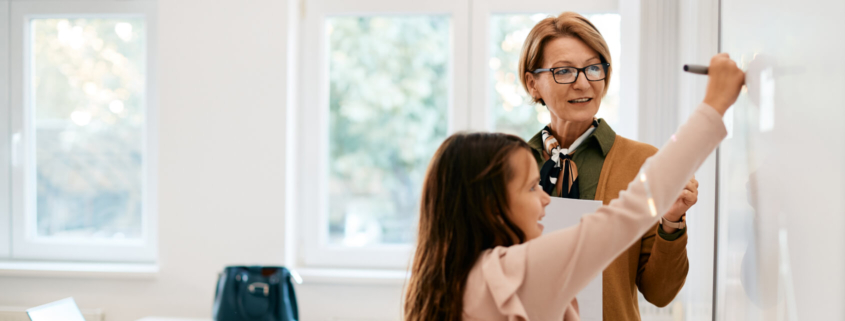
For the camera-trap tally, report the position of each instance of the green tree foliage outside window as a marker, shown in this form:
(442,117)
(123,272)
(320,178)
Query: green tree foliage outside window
(88,109)
(389,86)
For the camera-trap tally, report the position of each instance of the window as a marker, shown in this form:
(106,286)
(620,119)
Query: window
(384,83)
(364,149)
(381,136)
(82,155)
(5,139)
(87,118)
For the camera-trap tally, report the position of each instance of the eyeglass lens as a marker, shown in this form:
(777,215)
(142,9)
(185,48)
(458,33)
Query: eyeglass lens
(569,74)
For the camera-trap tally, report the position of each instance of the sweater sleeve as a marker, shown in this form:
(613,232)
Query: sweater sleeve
(539,278)
(662,268)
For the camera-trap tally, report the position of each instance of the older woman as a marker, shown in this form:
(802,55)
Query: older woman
(565,65)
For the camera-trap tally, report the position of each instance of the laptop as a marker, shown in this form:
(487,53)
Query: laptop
(62,310)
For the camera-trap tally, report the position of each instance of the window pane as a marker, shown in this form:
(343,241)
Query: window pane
(389,90)
(513,110)
(88,78)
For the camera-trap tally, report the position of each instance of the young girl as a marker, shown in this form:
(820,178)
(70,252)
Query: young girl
(480,254)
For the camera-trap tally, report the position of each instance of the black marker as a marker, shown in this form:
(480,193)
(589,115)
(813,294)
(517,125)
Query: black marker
(696,69)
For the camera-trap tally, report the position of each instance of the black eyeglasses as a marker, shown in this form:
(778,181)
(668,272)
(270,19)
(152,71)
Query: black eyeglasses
(568,75)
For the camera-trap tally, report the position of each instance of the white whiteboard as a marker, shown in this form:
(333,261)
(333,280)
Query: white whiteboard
(781,229)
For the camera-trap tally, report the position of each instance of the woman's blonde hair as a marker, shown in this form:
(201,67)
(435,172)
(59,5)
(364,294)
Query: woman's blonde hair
(567,24)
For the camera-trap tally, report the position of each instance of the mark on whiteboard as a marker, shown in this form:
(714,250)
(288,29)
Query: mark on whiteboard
(767,100)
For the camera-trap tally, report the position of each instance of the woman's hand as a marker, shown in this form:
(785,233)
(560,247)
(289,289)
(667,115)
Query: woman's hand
(725,82)
(688,198)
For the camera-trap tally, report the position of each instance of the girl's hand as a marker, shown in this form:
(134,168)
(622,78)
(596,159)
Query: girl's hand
(725,82)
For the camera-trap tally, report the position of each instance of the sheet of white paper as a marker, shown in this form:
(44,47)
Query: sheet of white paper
(560,214)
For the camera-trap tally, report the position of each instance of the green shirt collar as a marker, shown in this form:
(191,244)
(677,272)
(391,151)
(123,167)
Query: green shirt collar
(603,135)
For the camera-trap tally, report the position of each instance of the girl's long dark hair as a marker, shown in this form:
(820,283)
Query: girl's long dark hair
(462,213)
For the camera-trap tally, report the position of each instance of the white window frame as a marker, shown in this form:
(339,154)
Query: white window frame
(24,244)
(5,138)
(310,193)
(469,107)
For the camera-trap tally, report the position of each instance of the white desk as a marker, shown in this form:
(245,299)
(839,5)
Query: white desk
(171,319)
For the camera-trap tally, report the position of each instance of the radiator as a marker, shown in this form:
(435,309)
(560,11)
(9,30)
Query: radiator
(19,314)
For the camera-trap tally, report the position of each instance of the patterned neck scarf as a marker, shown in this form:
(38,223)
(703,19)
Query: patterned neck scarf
(559,167)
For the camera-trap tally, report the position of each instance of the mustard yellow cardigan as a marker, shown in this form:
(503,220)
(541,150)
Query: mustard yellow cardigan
(656,266)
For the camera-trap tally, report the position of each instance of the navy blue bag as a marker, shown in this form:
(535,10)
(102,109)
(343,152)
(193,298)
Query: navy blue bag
(255,293)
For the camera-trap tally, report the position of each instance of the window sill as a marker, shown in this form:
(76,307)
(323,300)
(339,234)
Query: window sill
(352,276)
(79,270)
